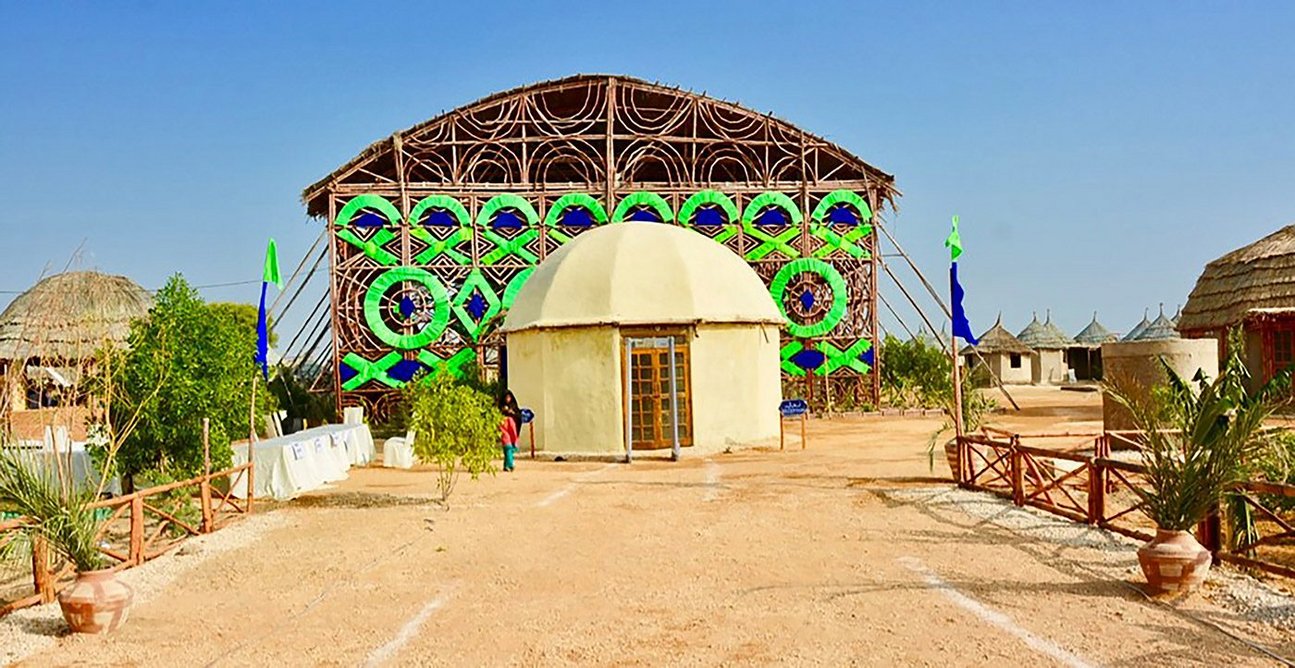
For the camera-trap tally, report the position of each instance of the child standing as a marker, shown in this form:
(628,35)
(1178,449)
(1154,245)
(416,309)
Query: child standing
(508,429)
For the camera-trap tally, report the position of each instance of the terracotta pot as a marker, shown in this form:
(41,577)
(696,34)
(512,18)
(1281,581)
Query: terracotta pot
(96,602)
(1174,561)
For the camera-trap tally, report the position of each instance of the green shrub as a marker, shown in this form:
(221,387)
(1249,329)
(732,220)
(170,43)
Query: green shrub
(187,360)
(1202,437)
(455,427)
(915,373)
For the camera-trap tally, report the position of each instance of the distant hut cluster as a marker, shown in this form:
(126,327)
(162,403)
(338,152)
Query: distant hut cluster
(1043,354)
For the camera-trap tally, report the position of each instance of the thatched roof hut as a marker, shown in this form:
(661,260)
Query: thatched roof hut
(1138,328)
(1258,276)
(70,316)
(998,340)
(1094,335)
(1160,329)
(1044,335)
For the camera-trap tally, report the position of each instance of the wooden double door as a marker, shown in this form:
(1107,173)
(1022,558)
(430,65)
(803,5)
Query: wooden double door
(652,413)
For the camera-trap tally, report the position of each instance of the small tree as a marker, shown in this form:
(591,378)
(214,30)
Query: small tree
(455,426)
(205,354)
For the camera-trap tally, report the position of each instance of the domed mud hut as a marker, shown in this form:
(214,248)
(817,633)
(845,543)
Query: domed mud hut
(1007,357)
(651,318)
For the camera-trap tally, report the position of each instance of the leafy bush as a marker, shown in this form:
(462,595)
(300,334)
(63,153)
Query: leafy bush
(915,373)
(455,426)
(187,360)
(1201,437)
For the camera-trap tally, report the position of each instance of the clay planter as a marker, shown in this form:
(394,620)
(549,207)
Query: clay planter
(1174,561)
(96,602)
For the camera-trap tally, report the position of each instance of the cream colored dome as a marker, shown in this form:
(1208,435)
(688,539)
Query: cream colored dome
(641,274)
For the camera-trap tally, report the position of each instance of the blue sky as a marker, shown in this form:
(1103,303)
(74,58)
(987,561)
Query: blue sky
(1098,153)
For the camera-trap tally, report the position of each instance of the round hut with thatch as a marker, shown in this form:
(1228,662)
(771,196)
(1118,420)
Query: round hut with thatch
(1253,288)
(1006,356)
(1050,345)
(49,333)
(1085,355)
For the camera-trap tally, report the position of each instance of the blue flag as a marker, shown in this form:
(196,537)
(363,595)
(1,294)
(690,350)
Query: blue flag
(960,325)
(270,274)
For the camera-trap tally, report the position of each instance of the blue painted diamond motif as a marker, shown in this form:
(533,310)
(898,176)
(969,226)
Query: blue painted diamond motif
(477,305)
(807,300)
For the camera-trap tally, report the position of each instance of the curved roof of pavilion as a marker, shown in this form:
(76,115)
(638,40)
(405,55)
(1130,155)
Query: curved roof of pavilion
(1094,335)
(70,316)
(641,274)
(1258,276)
(662,135)
(998,340)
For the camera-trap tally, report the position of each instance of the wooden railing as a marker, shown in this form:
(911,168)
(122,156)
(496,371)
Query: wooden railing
(1081,482)
(136,529)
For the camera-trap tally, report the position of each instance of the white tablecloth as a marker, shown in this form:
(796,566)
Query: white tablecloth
(289,465)
(77,462)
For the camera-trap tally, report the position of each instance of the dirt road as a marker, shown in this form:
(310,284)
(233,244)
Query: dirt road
(794,558)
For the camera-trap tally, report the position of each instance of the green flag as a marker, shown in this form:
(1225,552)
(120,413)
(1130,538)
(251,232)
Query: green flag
(953,242)
(271,274)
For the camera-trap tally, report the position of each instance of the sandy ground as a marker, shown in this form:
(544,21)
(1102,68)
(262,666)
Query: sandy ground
(844,553)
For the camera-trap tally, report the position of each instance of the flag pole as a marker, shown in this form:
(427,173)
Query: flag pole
(958,325)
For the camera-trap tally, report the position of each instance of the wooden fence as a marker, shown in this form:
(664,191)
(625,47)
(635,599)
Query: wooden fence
(1076,477)
(136,529)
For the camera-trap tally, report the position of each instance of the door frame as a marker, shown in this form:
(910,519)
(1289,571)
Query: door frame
(682,335)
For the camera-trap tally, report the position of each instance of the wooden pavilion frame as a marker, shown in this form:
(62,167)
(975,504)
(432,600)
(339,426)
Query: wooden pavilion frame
(448,218)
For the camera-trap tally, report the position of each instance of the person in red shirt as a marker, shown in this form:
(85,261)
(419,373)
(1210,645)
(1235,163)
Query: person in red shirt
(508,428)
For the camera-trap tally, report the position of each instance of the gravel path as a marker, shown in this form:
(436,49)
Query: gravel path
(33,629)
(1252,603)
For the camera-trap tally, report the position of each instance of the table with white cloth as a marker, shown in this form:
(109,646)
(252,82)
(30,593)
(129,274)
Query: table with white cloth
(76,463)
(306,460)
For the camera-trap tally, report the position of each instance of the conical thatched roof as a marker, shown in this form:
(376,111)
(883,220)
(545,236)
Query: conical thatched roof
(70,316)
(1138,329)
(999,340)
(1094,335)
(1043,336)
(1261,275)
(1160,329)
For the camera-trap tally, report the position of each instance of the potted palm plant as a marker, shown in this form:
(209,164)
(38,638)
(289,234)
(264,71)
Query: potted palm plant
(96,602)
(1198,436)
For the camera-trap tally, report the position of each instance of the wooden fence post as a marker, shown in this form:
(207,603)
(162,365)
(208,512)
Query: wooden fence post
(1018,478)
(1096,491)
(136,554)
(42,579)
(204,487)
(1208,533)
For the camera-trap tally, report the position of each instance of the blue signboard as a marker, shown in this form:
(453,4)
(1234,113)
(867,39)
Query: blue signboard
(793,407)
(527,415)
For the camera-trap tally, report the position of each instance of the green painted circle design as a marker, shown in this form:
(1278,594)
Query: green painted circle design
(373,308)
(834,281)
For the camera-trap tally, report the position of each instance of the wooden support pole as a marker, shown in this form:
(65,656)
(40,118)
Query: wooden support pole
(531,424)
(208,524)
(782,433)
(802,431)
